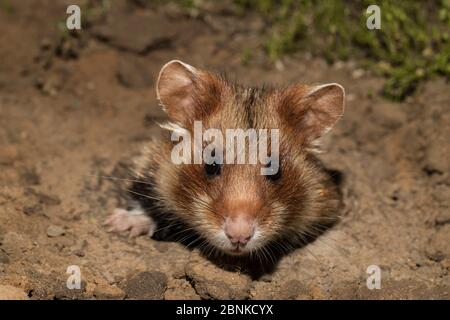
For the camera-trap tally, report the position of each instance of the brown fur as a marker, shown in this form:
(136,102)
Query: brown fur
(293,207)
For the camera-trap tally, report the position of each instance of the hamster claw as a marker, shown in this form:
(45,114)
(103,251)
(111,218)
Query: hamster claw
(135,221)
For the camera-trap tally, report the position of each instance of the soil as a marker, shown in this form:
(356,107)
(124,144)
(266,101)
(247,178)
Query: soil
(74,109)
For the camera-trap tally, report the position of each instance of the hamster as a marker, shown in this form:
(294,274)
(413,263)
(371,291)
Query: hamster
(233,208)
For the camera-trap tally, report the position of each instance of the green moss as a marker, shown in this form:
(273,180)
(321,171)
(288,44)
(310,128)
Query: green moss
(413,42)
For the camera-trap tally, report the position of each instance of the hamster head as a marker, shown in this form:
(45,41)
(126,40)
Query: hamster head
(231,204)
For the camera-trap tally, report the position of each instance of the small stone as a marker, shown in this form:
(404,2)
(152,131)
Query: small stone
(279,65)
(54,231)
(351,97)
(358,73)
(147,286)
(105,292)
(33,209)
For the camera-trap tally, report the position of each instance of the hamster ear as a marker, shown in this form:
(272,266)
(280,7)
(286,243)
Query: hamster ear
(313,111)
(186,93)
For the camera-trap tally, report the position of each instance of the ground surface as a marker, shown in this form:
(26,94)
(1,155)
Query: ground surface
(73,111)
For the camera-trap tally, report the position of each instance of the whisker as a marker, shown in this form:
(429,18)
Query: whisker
(117,178)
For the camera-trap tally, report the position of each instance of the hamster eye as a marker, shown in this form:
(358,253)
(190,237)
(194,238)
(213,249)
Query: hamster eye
(273,176)
(212,169)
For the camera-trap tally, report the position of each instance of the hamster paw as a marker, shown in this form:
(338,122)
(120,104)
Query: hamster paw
(135,221)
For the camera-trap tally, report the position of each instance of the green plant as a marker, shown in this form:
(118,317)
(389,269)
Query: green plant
(413,42)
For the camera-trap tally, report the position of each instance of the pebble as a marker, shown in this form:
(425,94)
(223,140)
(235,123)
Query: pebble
(149,285)
(105,292)
(54,231)
(358,73)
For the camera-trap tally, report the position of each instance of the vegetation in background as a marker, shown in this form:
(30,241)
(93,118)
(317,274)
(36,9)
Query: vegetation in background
(413,43)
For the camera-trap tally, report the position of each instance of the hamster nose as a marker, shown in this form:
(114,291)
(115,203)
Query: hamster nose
(239,230)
